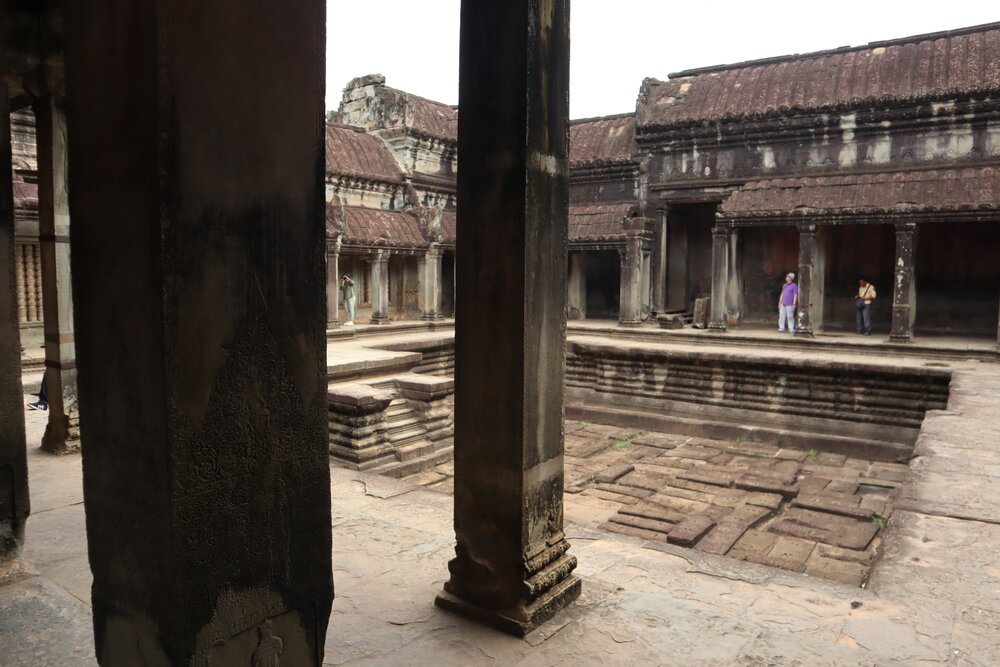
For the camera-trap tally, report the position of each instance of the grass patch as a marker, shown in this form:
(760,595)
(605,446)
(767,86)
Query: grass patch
(618,444)
(579,422)
(811,454)
(878,520)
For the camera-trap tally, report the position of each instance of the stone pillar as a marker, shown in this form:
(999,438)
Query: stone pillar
(807,259)
(904,288)
(62,433)
(577,292)
(734,278)
(358,425)
(720,272)
(660,260)
(333,281)
(380,287)
(630,289)
(430,283)
(198,274)
(14,504)
(511,569)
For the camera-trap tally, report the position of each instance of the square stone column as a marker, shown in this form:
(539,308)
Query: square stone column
(198,268)
(380,287)
(577,291)
(630,289)
(904,287)
(62,433)
(430,268)
(720,276)
(734,278)
(333,281)
(807,260)
(511,569)
(661,258)
(14,503)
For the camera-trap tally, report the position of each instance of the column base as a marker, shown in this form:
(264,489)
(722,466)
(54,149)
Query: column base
(900,338)
(62,435)
(431,317)
(333,324)
(803,333)
(630,323)
(378,320)
(721,327)
(527,619)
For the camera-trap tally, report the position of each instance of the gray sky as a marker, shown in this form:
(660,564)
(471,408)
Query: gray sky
(617,43)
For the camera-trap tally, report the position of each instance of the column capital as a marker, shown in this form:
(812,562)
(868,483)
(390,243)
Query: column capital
(381,255)
(807,227)
(721,229)
(333,244)
(906,227)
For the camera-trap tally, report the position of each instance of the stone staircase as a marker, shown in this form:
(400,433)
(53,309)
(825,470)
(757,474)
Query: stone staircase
(416,432)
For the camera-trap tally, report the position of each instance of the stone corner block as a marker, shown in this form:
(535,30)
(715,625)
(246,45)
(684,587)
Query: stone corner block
(425,387)
(358,399)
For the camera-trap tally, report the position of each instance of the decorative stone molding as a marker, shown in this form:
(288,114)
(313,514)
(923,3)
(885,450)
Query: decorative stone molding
(358,424)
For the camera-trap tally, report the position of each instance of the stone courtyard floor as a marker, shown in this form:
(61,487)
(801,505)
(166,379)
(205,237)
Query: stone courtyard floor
(809,512)
(932,597)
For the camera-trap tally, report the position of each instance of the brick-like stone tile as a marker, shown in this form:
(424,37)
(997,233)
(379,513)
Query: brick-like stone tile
(753,541)
(641,533)
(827,528)
(645,479)
(687,494)
(713,477)
(605,495)
(765,484)
(697,452)
(830,459)
(837,570)
(650,510)
(679,505)
(690,530)
(791,553)
(813,484)
(841,486)
(721,538)
(771,501)
(848,555)
(874,503)
(630,491)
(613,472)
(730,498)
(580,446)
(660,440)
(679,483)
(843,505)
(860,465)
(643,522)
(791,455)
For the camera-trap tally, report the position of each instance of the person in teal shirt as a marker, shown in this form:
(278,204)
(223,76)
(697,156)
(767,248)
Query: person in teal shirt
(347,288)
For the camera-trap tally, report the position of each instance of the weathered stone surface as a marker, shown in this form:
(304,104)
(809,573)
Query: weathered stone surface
(828,528)
(358,399)
(670,321)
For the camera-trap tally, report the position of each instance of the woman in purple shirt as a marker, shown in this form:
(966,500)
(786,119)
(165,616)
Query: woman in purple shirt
(787,302)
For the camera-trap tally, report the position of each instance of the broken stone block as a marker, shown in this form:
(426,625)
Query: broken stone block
(670,321)
(702,310)
(721,538)
(843,505)
(832,529)
(644,523)
(690,530)
(846,572)
(753,482)
(753,542)
(652,510)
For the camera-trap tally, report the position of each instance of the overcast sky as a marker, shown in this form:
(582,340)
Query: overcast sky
(617,43)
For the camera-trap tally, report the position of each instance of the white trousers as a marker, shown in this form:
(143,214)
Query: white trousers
(786,315)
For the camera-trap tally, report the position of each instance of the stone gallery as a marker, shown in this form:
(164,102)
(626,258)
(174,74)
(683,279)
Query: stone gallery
(520,431)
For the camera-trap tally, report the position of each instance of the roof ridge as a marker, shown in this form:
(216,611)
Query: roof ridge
(594,119)
(984,27)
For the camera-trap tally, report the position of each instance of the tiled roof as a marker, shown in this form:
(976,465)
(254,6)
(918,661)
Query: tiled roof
(599,221)
(602,139)
(432,118)
(374,226)
(966,60)
(858,194)
(353,152)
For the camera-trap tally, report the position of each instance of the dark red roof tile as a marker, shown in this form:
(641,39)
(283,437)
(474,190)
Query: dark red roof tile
(602,139)
(351,152)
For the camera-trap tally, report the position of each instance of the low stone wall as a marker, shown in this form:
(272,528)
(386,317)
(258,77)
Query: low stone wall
(857,409)
(394,426)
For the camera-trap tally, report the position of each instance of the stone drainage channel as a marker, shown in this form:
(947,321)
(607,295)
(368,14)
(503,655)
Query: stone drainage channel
(799,470)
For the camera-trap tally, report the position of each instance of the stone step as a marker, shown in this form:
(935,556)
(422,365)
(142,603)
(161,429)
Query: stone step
(399,438)
(415,450)
(405,468)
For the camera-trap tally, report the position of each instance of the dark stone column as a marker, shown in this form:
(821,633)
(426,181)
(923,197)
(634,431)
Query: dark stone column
(807,258)
(333,281)
(14,503)
(380,287)
(904,289)
(62,433)
(198,268)
(511,568)
(660,261)
(630,290)
(720,272)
